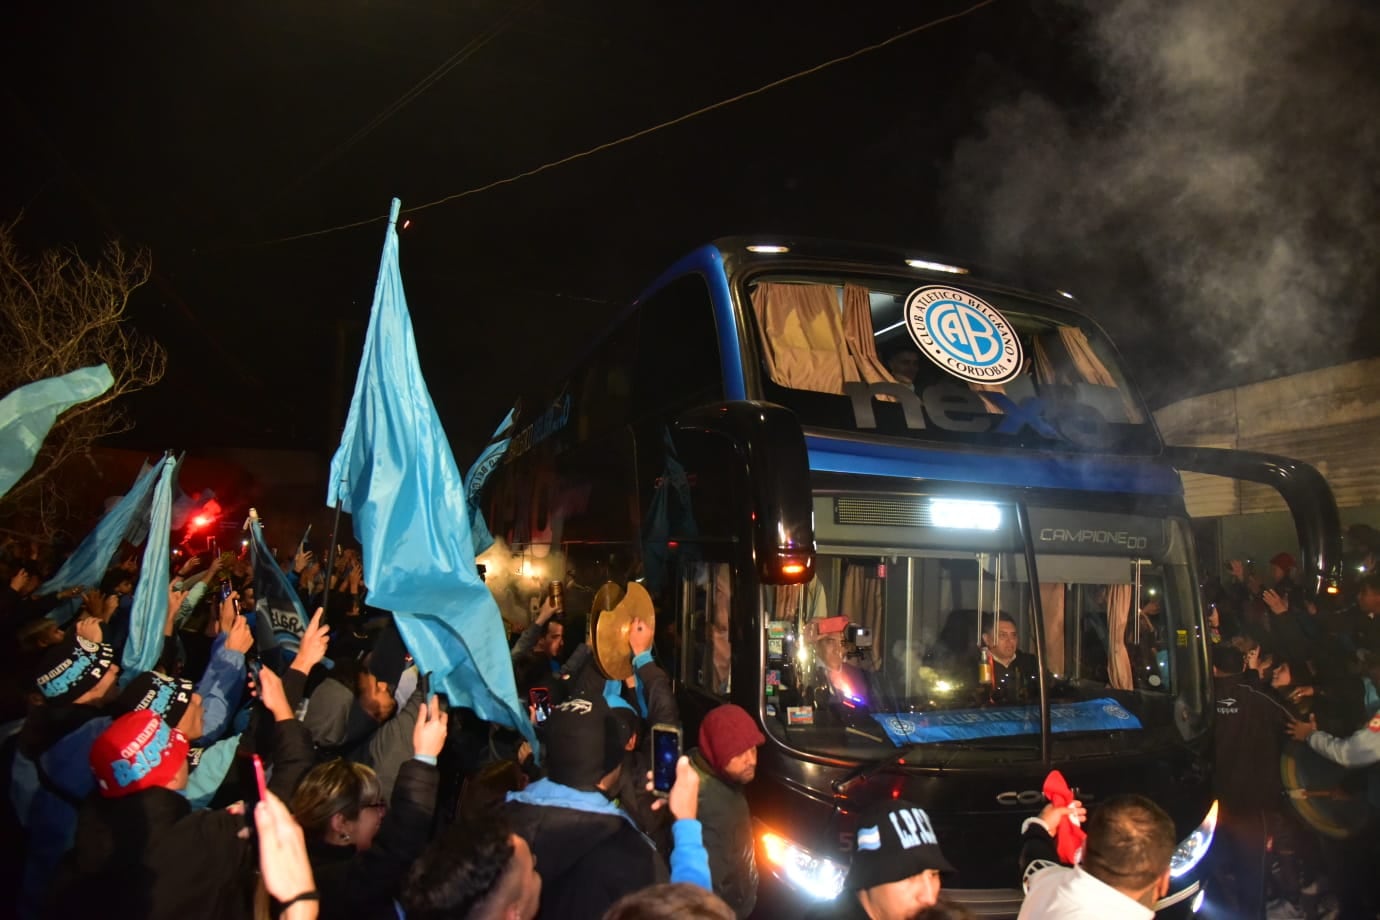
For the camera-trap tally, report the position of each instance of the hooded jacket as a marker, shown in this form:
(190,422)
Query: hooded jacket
(727,823)
(588,852)
(149,855)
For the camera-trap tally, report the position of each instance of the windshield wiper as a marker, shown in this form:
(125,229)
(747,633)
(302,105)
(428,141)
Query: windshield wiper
(865,769)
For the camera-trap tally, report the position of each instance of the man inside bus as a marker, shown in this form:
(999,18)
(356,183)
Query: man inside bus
(841,681)
(903,362)
(1015,674)
(896,869)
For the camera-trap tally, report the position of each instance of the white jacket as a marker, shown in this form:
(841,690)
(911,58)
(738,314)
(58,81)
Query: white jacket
(1072,894)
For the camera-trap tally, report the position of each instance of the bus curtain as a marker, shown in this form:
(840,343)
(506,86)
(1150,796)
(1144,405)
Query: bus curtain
(807,344)
(1118,659)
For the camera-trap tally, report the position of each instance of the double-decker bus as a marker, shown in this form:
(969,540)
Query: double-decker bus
(913,518)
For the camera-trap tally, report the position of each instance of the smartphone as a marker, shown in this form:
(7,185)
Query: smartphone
(540,698)
(225,590)
(665,756)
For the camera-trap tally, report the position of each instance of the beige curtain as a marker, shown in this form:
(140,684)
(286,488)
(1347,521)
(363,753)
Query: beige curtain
(804,340)
(857,330)
(862,604)
(1118,659)
(1091,368)
(1052,602)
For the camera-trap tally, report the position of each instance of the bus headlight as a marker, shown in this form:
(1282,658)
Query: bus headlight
(816,876)
(1194,847)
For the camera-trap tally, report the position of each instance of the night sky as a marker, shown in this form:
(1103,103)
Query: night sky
(1202,174)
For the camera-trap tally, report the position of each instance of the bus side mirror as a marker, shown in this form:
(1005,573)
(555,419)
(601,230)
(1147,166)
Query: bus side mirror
(1304,490)
(761,446)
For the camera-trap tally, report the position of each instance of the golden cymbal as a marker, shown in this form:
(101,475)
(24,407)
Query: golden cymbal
(606,598)
(609,631)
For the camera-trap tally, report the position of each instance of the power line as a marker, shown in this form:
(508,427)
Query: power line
(645,131)
(467,51)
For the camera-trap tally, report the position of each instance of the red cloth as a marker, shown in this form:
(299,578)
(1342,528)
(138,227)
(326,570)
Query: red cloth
(1069,837)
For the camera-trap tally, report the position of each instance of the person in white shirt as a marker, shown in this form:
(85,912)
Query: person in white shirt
(1124,865)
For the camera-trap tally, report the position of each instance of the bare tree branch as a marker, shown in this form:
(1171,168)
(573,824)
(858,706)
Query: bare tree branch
(60,312)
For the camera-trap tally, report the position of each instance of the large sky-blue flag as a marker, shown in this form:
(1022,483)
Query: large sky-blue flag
(395,474)
(148,615)
(27,414)
(488,461)
(87,566)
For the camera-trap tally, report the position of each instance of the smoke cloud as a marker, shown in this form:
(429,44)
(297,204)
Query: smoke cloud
(1221,199)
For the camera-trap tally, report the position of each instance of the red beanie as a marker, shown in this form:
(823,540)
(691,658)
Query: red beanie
(138,751)
(725,733)
(1283,560)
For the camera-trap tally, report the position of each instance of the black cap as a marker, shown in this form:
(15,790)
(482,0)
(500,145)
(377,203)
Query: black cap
(584,742)
(894,841)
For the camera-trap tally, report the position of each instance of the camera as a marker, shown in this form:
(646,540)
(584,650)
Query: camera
(860,637)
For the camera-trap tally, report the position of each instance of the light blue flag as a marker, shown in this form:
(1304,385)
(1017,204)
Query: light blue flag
(87,566)
(395,474)
(488,461)
(275,598)
(28,413)
(148,615)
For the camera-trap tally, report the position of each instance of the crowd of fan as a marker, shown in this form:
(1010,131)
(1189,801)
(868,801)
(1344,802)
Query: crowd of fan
(1292,672)
(367,797)
(240,778)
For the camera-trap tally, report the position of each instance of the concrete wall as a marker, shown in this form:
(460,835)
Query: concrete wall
(1329,418)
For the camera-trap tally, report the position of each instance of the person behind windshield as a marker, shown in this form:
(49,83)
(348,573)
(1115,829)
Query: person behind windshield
(1015,674)
(846,683)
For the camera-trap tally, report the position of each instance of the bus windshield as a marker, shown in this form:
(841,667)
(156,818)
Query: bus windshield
(935,646)
(855,353)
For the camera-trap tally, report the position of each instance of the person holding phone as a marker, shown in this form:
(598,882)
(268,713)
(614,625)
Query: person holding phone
(726,761)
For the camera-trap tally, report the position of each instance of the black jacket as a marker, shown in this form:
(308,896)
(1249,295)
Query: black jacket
(587,860)
(354,884)
(727,824)
(148,855)
(1248,741)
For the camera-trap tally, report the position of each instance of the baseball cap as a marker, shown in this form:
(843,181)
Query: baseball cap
(584,742)
(894,841)
(138,751)
(71,668)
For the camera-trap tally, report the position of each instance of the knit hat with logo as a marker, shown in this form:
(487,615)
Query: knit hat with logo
(71,668)
(895,840)
(138,751)
(169,697)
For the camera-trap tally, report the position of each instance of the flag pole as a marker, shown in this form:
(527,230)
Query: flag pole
(394,209)
(330,564)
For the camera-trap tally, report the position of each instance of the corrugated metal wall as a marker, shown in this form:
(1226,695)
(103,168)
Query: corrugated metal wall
(1329,418)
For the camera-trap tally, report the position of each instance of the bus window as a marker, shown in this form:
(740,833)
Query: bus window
(837,352)
(677,353)
(707,592)
(938,645)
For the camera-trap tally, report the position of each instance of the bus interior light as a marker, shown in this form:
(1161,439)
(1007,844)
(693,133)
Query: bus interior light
(767,248)
(820,878)
(1194,847)
(958,514)
(936,266)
